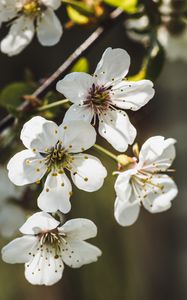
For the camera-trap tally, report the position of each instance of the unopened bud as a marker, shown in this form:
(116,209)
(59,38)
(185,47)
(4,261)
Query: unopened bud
(135,150)
(125,160)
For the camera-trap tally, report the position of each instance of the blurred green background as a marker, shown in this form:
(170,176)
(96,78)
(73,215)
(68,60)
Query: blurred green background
(149,259)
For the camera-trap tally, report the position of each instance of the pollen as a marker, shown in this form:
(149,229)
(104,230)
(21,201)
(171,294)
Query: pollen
(31,7)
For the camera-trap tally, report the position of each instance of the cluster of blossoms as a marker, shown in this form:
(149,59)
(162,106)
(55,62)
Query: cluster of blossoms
(53,151)
(26,16)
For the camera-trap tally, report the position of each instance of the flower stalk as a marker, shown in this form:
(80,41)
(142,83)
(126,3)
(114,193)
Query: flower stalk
(52,105)
(105,151)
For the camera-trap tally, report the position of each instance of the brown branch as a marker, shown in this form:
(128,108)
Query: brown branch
(114,18)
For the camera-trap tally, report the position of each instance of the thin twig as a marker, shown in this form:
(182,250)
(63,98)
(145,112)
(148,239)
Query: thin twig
(115,17)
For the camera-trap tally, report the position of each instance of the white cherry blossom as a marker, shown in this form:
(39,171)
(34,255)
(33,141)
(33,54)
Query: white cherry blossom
(25,14)
(46,246)
(144,182)
(51,150)
(99,95)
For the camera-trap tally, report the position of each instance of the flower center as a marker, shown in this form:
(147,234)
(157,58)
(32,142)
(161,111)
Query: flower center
(32,7)
(52,241)
(57,157)
(98,98)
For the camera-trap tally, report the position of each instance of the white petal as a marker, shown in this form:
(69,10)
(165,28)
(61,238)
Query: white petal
(19,36)
(39,134)
(122,185)
(113,66)
(26,167)
(52,3)
(56,193)
(126,212)
(18,250)
(76,112)
(77,136)
(9,225)
(132,95)
(159,199)
(157,154)
(45,268)
(116,128)
(77,253)
(79,229)
(39,222)
(88,173)
(75,86)
(7,10)
(126,208)
(49,28)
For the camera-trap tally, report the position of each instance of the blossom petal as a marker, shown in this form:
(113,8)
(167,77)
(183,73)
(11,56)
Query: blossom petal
(77,253)
(7,10)
(88,173)
(18,250)
(19,36)
(113,66)
(132,95)
(49,28)
(122,185)
(39,134)
(126,208)
(26,167)
(126,212)
(159,193)
(52,3)
(157,154)
(75,86)
(79,229)
(39,222)
(77,136)
(45,268)
(116,128)
(56,193)
(76,112)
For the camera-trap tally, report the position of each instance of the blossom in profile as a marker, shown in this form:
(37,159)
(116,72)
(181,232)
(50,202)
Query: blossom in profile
(52,150)
(27,17)
(144,183)
(106,95)
(46,245)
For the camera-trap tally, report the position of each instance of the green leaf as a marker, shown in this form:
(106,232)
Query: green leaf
(12,96)
(80,7)
(129,6)
(82,65)
(155,62)
(76,16)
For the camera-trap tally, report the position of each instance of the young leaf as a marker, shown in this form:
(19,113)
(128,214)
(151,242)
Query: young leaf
(82,65)
(129,6)
(12,95)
